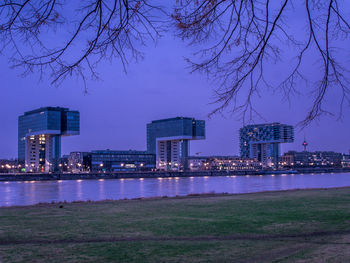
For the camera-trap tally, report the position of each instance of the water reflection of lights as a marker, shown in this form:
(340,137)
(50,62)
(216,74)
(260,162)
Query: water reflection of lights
(101,189)
(79,181)
(73,190)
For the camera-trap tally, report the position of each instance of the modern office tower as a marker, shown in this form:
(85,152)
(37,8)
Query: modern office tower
(169,140)
(262,141)
(39,136)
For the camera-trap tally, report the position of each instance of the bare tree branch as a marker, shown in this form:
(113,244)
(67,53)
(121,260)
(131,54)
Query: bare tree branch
(238,40)
(244,37)
(101,29)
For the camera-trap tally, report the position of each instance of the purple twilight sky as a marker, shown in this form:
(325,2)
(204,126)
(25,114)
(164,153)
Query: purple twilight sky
(117,108)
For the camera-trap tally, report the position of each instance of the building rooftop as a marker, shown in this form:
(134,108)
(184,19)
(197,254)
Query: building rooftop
(119,152)
(265,124)
(48,109)
(173,119)
(218,157)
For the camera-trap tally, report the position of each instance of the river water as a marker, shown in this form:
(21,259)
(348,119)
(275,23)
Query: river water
(33,192)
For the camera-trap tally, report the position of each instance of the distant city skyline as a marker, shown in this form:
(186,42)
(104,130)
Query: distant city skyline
(117,108)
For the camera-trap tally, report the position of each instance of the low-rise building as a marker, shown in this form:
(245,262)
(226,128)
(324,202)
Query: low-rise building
(346,161)
(112,161)
(79,162)
(312,159)
(223,163)
(11,166)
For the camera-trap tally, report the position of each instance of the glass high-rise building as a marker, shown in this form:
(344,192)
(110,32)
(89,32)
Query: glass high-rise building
(39,136)
(262,141)
(169,140)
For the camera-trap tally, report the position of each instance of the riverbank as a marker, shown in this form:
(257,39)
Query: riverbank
(285,226)
(126,175)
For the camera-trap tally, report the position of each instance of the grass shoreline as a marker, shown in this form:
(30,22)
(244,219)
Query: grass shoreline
(303,225)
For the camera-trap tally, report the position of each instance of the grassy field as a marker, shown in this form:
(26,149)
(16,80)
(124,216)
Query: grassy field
(292,226)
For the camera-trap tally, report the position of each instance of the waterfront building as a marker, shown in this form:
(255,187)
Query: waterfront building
(223,163)
(346,161)
(63,164)
(112,161)
(312,159)
(78,162)
(169,140)
(39,136)
(10,166)
(262,141)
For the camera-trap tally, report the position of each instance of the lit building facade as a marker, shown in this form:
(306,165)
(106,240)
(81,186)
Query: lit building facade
(223,163)
(39,136)
(78,162)
(313,159)
(10,166)
(113,161)
(262,141)
(169,140)
(346,161)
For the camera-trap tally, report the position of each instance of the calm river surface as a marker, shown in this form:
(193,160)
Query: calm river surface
(33,192)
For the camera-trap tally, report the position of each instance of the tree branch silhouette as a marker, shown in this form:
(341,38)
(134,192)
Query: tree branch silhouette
(237,41)
(243,36)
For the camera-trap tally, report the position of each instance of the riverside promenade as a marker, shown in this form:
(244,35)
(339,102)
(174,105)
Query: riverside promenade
(156,174)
